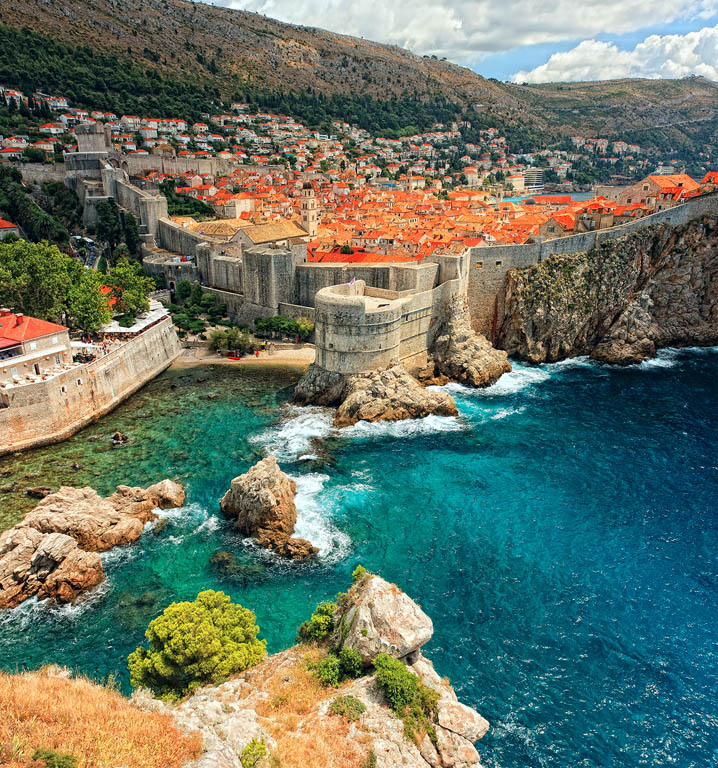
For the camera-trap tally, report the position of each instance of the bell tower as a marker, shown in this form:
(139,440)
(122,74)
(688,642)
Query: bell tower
(310,210)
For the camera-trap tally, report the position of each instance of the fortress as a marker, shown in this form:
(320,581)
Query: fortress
(366,316)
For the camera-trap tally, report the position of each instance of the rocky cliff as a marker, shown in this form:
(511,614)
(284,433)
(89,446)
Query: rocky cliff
(281,702)
(52,552)
(618,302)
(261,502)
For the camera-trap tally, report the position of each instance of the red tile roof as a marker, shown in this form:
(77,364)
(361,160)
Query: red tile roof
(27,328)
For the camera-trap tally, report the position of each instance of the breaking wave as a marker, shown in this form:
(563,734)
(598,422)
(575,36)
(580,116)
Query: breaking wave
(292,439)
(313,523)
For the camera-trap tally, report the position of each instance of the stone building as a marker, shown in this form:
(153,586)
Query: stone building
(30,347)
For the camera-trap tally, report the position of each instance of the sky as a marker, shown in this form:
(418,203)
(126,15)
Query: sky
(528,40)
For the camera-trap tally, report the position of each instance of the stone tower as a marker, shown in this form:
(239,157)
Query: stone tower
(310,210)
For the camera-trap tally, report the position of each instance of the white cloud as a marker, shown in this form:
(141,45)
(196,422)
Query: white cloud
(657,56)
(466,30)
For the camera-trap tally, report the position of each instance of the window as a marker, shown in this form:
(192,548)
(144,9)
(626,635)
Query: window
(57,359)
(54,339)
(79,382)
(498,263)
(63,389)
(479,264)
(13,371)
(33,345)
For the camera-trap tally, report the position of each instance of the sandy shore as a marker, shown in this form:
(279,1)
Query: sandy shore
(300,355)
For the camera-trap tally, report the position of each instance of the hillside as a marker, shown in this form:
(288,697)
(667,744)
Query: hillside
(193,53)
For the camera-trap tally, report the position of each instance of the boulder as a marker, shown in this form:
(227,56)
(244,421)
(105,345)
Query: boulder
(390,395)
(261,502)
(52,552)
(380,618)
(460,354)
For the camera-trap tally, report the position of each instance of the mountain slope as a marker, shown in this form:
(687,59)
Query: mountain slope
(220,52)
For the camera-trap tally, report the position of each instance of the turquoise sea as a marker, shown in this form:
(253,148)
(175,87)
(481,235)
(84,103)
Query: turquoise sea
(562,534)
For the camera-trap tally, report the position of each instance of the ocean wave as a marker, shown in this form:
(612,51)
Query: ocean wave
(504,412)
(405,428)
(313,523)
(292,438)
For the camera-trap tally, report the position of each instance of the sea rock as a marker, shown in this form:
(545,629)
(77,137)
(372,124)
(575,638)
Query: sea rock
(380,618)
(460,354)
(318,386)
(261,501)
(278,701)
(619,302)
(52,552)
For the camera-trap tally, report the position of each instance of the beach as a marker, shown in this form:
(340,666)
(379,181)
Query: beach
(286,354)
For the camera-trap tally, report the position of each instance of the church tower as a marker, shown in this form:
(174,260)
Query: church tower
(310,210)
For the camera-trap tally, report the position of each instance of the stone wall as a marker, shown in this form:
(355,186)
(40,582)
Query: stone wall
(50,411)
(489,264)
(37,173)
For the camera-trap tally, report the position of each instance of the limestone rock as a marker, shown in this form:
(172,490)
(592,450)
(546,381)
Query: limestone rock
(382,619)
(619,302)
(52,552)
(261,501)
(460,354)
(319,386)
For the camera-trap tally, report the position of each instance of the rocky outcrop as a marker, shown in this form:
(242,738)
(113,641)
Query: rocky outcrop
(460,354)
(380,618)
(388,395)
(261,502)
(618,302)
(52,552)
(281,703)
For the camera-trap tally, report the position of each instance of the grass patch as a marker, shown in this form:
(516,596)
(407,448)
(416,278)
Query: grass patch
(79,719)
(348,707)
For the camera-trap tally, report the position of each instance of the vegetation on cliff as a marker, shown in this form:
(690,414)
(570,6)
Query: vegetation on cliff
(48,713)
(196,643)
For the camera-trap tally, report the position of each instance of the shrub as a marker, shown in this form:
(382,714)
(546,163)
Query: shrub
(409,699)
(348,707)
(253,754)
(328,670)
(350,663)
(195,643)
(358,573)
(319,625)
(54,759)
(370,761)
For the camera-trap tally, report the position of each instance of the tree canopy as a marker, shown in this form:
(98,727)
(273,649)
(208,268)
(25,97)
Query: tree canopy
(130,287)
(196,643)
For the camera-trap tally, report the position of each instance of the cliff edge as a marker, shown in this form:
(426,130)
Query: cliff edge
(619,302)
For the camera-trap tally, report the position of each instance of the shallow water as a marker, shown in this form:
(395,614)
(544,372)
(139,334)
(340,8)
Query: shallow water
(561,533)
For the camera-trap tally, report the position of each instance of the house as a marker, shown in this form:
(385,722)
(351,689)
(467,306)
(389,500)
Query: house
(659,190)
(31,347)
(8,228)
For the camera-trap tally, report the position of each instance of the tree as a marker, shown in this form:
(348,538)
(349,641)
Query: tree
(130,287)
(195,643)
(87,304)
(131,233)
(183,290)
(35,278)
(109,227)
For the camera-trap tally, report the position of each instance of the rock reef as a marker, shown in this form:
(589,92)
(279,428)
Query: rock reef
(619,302)
(281,703)
(388,395)
(52,552)
(261,502)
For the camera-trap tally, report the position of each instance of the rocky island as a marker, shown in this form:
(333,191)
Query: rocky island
(53,551)
(261,502)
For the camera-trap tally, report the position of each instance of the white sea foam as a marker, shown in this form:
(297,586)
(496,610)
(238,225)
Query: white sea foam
(293,436)
(313,523)
(406,428)
(504,412)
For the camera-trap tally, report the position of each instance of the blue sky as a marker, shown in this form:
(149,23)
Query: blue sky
(529,40)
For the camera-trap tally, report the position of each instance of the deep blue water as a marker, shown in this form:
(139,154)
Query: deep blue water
(562,533)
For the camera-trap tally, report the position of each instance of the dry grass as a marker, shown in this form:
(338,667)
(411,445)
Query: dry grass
(96,725)
(289,713)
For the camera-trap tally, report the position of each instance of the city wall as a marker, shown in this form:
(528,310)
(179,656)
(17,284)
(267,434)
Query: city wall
(488,265)
(52,410)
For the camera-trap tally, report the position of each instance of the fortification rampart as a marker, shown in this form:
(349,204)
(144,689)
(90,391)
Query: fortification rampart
(488,265)
(52,410)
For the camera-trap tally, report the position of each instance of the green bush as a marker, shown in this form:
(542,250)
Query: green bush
(370,761)
(358,573)
(319,625)
(54,759)
(409,699)
(253,754)
(196,643)
(350,663)
(348,707)
(328,670)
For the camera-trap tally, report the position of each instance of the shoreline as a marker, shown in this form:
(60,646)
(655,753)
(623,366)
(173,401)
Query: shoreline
(301,356)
